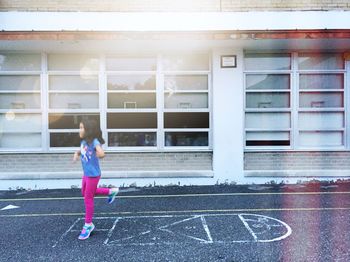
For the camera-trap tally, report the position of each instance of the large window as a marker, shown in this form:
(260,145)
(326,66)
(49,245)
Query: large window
(73,92)
(20,101)
(186,101)
(153,101)
(294,101)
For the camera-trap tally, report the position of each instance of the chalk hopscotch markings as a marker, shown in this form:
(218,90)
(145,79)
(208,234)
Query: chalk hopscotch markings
(66,233)
(161,229)
(259,225)
(169,229)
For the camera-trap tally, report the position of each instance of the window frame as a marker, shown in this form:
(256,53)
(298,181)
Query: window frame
(37,111)
(44,73)
(295,109)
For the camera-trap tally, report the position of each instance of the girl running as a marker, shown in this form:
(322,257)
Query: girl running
(90,152)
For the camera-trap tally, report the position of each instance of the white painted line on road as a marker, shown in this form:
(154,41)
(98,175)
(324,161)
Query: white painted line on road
(9,207)
(206,228)
(181,195)
(111,230)
(65,233)
(248,227)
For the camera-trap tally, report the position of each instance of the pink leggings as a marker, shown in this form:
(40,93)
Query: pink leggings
(89,190)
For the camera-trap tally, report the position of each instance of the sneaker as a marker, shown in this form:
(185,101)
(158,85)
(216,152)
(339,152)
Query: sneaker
(85,233)
(112,195)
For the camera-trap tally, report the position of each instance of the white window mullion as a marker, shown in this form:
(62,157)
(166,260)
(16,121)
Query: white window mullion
(295,102)
(160,103)
(347,104)
(210,103)
(44,103)
(102,84)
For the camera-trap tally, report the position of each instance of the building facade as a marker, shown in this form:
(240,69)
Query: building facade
(199,92)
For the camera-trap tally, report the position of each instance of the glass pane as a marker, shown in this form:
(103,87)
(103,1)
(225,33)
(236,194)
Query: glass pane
(20,83)
(186,139)
(73,101)
(20,141)
(132,120)
(186,120)
(131,63)
(73,83)
(69,121)
(20,62)
(318,120)
(186,62)
(186,82)
(321,139)
(268,120)
(132,139)
(320,61)
(267,138)
(187,100)
(131,82)
(258,82)
(66,62)
(12,122)
(64,140)
(20,101)
(122,100)
(325,99)
(267,61)
(268,100)
(321,81)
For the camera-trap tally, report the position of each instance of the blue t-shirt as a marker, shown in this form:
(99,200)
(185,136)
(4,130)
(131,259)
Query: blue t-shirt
(89,160)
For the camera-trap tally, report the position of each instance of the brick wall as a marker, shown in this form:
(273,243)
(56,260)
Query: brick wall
(113,162)
(297,160)
(174,6)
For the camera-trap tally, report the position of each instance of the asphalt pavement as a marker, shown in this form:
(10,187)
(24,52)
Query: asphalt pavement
(303,222)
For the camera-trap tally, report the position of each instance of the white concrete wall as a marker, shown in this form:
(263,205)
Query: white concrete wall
(227,118)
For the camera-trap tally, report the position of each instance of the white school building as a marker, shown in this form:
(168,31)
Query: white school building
(182,98)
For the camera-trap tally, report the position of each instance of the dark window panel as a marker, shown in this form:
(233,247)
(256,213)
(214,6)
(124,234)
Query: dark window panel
(132,120)
(186,120)
(69,121)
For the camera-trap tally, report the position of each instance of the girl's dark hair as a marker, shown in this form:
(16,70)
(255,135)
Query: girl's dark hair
(92,130)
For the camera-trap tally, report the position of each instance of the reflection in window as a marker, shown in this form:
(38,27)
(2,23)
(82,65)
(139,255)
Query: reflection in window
(268,100)
(132,120)
(69,83)
(267,138)
(120,63)
(20,101)
(186,62)
(69,121)
(64,140)
(20,62)
(320,61)
(132,82)
(186,120)
(186,139)
(266,61)
(85,64)
(321,81)
(261,81)
(132,100)
(20,122)
(186,100)
(20,83)
(73,101)
(20,140)
(132,139)
(324,99)
(186,82)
